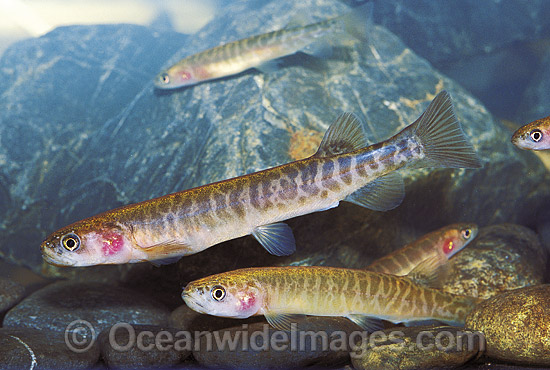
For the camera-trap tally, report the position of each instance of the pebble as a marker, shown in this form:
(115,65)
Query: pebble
(258,345)
(86,307)
(516,325)
(42,350)
(501,258)
(10,293)
(421,347)
(143,346)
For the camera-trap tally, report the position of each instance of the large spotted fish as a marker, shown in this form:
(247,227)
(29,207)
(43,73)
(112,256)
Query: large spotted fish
(261,51)
(360,295)
(344,168)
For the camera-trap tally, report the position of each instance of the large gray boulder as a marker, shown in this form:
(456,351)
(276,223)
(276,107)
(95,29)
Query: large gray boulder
(82,130)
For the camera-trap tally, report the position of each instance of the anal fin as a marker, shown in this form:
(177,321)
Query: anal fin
(381,194)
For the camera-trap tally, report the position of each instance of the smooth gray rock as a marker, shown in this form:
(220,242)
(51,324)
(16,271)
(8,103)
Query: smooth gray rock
(443,32)
(143,347)
(319,341)
(501,258)
(10,293)
(104,137)
(65,305)
(23,348)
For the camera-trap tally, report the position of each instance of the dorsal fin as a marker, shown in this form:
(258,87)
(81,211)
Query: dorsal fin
(343,136)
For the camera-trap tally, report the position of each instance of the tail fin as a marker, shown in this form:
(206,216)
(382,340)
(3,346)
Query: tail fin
(442,138)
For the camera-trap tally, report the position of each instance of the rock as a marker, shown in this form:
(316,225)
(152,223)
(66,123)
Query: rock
(10,293)
(125,346)
(260,346)
(79,90)
(421,347)
(88,307)
(22,348)
(458,29)
(516,325)
(501,258)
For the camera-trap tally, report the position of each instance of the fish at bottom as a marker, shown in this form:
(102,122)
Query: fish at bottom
(364,297)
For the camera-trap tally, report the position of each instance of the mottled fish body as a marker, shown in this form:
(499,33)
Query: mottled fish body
(344,168)
(360,295)
(440,244)
(534,135)
(260,51)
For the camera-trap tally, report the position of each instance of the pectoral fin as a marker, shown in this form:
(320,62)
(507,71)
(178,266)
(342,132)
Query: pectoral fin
(276,238)
(166,252)
(381,194)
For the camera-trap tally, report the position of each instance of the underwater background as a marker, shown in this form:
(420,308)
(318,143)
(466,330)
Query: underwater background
(83,130)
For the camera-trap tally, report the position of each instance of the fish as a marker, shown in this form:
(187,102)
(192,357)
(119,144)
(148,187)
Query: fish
(364,297)
(344,167)
(441,244)
(263,51)
(534,135)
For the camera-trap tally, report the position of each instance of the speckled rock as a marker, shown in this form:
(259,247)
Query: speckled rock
(516,325)
(10,293)
(42,350)
(501,258)
(442,347)
(90,307)
(260,346)
(79,90)
(143,346)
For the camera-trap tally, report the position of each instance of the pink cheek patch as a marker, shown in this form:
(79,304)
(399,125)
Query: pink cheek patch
(448,246)
(248,301)
(112,243)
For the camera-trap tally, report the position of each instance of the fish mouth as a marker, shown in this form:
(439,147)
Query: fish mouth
(49,258)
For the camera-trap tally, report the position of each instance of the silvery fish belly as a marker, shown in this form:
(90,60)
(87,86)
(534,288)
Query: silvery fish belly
(261,50)
(344,168)
(440,244)
(364,297)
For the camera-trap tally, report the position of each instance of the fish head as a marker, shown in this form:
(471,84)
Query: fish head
(455,237)
(223,295)
(177,76)
(533,136)
(87,243)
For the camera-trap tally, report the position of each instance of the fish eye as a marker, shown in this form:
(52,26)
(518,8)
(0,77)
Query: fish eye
(536,135)
(70,242)
(466,233)
(218,293)
(165,78)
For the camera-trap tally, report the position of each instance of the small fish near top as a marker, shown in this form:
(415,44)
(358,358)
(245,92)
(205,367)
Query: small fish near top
(261,51)
(534,135)
(345,168)
(364,297)
(440,244)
